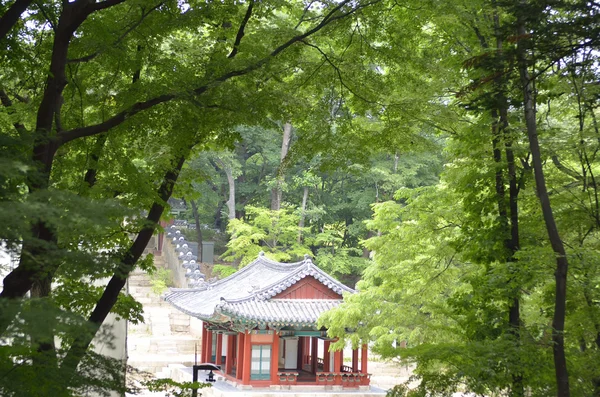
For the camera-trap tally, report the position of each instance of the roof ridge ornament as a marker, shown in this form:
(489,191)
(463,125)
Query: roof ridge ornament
(261,253)
(308,261)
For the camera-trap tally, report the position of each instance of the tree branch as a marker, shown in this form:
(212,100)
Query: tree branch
(7,103)
(10,17)
(105,4)
(112,122)
(338,72)
(330,17)
(67,136)
(240,33)
(564,169)
(304,14)
(93,55)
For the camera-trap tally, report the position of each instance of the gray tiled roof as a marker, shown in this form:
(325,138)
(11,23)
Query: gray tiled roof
(278,312)
(259,281)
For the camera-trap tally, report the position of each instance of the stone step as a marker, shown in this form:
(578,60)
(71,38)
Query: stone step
(154,364)
(163,340)
(134,281)
(149,300)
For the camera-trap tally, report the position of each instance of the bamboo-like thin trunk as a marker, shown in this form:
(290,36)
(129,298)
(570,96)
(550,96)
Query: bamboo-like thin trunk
(562,264)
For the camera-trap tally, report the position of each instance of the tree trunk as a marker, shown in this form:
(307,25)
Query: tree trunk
(35,250)
(276,192)
(513,243)
(562,264)
(231,183)
(302,214)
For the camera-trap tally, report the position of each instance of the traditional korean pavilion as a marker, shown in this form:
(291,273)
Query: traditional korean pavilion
(259,324)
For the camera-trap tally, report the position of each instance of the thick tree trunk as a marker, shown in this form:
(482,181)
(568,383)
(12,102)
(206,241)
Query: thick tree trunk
(276,192)
(562,264)
(34,251)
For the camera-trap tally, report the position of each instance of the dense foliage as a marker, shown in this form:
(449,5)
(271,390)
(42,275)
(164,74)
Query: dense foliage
(102,103)
(472,273)
(445,152)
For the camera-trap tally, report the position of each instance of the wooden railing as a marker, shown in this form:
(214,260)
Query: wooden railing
(287,378)
(320,362)
(344,379)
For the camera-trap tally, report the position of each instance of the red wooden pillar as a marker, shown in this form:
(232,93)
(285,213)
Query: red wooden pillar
(239,365)
(247,360)
(355,360)
(314,346)
(229,356)
(209,336)
(300,363)
(203,345)
(326,357)
(219,352)
(338,360)
(306,350)
(275,359)
(364,358)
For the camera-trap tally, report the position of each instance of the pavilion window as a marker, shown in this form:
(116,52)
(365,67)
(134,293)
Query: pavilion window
(261,362)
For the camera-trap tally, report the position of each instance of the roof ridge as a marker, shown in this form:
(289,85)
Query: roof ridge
(261,259)
(301,272)
(254,298)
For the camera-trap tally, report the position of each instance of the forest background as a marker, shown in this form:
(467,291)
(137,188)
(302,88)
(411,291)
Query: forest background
(445,154)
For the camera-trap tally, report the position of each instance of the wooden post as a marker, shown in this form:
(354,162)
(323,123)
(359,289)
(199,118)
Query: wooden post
(364,359)
(219,352)
(314,352)
(203,348)
(275,359)
(239,365)
(300,353)
(230,353)
(247,360)
(326,357)
(306,350)
(355,360)
(338,360)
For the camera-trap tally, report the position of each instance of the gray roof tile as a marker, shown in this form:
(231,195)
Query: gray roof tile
(281,312)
